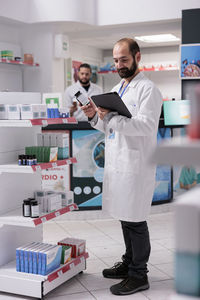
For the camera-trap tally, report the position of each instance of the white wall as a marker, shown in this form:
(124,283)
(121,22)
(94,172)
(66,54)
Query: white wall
(130,11)
(10,76)
(78,52)
(94,12)
(38,40)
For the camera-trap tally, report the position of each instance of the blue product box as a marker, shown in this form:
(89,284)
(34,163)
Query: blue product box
(187,273)
(40,257)
(30,257)
(63,152)
(51,259)
(36,257)
(26,257)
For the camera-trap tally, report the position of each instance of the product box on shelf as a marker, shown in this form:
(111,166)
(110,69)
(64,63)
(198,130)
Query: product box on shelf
(3,111)
(78,245)
(29,111)
(67,197)
(13,111)
(51,259)
(66,254)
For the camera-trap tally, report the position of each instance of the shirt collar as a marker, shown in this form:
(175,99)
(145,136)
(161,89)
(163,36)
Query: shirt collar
(135,80)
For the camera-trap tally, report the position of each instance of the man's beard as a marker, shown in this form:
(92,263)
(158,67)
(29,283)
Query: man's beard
(85,82)
(126,73)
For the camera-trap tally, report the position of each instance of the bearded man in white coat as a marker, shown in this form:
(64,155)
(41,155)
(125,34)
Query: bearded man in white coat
(83,85)
(129,180)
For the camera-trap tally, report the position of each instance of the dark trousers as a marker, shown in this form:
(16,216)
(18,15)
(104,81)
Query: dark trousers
(137,242)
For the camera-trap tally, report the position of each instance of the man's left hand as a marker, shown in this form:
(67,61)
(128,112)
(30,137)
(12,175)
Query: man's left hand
(102,112)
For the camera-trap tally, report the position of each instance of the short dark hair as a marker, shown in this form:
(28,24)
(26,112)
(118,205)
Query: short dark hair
(132,44)
(84,65)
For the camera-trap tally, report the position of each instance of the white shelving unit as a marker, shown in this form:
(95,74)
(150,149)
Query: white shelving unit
(178,151)
(18,183)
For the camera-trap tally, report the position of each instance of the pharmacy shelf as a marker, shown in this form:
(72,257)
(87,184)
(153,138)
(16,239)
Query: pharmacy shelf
(36,122)
(21,63)
(38,285)
(178,151)
(45,122)
(15,218)
(14,168)
(147,69)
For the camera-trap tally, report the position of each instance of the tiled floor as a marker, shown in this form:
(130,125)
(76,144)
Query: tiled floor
(105,247)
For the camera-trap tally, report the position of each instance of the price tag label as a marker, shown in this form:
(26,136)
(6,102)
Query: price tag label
(57,213)
(65,121)
(72,266)
(44,122)
(38,167)
(54,164)
(71,208)
(68,161)
(60,273)
(43,219)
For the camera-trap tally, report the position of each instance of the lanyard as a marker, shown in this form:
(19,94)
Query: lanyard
(122,90)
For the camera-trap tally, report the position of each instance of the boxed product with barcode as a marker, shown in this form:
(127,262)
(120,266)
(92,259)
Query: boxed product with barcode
(62,140)
(3,111)
(13,111)
(67,198)
(40,139)
(29,111)
(78,245)
(51,259)
(42,111)
(66,254)
(46,140)
(53,139)
(54,202)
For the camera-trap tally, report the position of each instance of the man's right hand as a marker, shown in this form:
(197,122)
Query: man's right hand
(89,109)
(73,109)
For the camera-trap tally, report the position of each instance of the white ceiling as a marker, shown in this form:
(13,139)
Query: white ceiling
(104,37)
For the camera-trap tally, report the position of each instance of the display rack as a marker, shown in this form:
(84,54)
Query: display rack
(37,122)
(170,67)
(178,151)
(21,63)
(17,183)
(38,285)
(15,217)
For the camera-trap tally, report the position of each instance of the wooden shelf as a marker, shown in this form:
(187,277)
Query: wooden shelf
(15,217)
(178,151)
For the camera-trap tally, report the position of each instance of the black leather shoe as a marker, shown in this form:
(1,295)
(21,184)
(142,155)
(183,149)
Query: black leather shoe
(118,271)
(130,286)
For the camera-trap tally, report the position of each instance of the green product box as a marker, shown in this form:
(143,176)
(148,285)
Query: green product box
(66,254)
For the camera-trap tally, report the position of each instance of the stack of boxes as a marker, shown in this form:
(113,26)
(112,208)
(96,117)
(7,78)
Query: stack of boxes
(43,154)
(187,226)
(7,54)
(51,201)
(38,258)
(42,258)
(60,140)
(22,111)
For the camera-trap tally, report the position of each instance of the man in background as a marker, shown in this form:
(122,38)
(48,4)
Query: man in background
(85,86)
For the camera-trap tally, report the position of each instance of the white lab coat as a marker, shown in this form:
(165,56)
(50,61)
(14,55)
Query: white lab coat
(129,180)
(72,90)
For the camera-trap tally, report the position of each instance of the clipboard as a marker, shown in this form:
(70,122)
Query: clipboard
(113,102)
